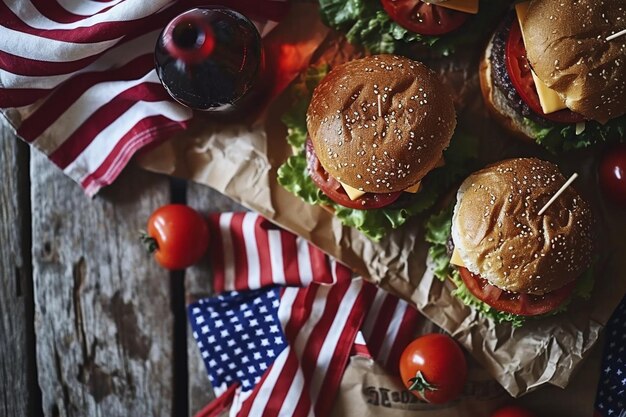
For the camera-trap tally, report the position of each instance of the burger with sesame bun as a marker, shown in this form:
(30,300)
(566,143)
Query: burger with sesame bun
(550,75)
(441,27)
(507,261)
(377,130)
(377,126)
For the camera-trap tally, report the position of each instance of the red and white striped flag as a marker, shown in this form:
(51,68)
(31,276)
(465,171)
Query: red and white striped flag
(326,314)
(77,78)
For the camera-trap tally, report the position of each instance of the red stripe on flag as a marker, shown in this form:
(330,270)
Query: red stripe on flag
(402,339)
(332,380)
(290,258)
(320,266)
(61,99)
(217,252)
(220,404)
(18,97)
(80,139)
(263,246)
(382,324)
(148,130)
(300,311)
(54,11)
(239,252)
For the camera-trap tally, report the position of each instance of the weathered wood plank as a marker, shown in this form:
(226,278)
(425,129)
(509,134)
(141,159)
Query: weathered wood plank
(103,314)
(18,388)
(198,285)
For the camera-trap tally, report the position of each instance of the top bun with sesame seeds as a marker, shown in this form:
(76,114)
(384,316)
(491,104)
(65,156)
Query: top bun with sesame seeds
(500,236)
(381,123)
(567,48)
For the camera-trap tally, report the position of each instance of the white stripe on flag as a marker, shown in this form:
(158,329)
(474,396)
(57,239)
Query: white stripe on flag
(85,8)
(43,49)
(126,11)
(276,256)
(392,331)
(317,312)
(227,246)
(252,251)
(75,115)
(265,389)
(118,57)
(304,262)
(359,339)
(372,316)
(101,146)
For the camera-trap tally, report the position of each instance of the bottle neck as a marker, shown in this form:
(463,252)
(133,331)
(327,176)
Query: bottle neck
(189,39)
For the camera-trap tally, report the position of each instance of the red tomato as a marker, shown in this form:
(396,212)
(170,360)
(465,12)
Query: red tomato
(423,18)
(512,411)
(613,174)
(333,189)
(178,236)
(522,79)
(516,303)
(433,368)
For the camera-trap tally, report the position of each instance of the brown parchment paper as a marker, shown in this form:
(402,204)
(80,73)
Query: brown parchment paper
(240,160)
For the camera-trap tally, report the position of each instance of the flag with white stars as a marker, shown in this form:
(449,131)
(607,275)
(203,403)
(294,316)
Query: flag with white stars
(277,338)
(611,399)
(239,335)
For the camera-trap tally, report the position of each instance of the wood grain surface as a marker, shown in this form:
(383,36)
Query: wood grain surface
(198,285)
(17,370)
(103,318)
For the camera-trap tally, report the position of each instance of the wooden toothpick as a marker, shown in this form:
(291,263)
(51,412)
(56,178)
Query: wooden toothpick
(558,193)
(380,112)
(616,35)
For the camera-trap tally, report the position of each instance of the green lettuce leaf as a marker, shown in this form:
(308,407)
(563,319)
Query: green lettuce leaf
(557,138)
(366,23)
(438,233)
(294,177)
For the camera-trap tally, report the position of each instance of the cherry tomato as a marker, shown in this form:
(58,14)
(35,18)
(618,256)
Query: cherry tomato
(424,18)
(177,235)
(516,303)
(433,368)
(333,189)
(512,411)
(613,174)
(522,79)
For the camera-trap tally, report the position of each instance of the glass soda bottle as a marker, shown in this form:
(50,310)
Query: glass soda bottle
(210,59)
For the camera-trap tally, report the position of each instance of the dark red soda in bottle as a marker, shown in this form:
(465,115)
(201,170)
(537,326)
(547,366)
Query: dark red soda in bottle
(210,59)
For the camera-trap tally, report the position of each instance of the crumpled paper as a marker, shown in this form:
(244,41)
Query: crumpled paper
(241,162)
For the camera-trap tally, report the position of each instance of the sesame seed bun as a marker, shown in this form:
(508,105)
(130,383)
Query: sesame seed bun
(500,236)
(378,154)
(567,48)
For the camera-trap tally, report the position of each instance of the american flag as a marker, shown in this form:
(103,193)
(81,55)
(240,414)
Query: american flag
(77,78)
(611,399)
(325,316)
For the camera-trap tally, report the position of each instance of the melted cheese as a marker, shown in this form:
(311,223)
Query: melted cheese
(456,259)
(467,6)
(352,192)
(414,188)
(549,99)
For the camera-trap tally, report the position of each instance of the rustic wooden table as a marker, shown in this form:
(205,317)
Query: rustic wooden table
(89,324)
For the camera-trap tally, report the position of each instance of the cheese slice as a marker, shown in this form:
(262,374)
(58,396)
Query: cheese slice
(467,6)
(352,192)
(456,259)
(549,99)
(414,189)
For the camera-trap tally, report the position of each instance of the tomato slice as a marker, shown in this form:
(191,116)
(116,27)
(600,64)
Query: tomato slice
(522,79)
(424,18)
(333,189)
(516,303)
